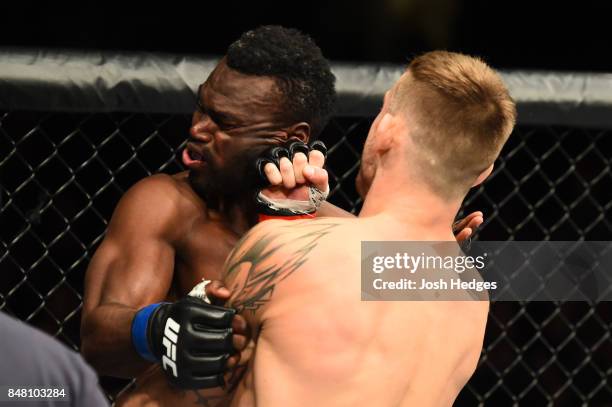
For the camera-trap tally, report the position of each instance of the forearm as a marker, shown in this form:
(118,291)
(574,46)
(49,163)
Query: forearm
(329,210)
(106,341)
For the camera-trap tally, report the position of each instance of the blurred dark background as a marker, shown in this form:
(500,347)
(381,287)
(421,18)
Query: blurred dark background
(542,35)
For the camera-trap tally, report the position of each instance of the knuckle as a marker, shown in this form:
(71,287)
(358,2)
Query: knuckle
(300,158)
(269,168)
(316,155)
(286,166)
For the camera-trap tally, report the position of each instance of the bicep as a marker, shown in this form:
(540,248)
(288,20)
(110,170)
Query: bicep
(134,264)
(129,273)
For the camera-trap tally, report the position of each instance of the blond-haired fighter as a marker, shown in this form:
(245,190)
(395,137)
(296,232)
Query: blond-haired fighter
(441,128)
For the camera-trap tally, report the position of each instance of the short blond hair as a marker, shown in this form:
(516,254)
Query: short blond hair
(460,115)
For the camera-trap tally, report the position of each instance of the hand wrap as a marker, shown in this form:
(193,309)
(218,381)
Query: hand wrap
(271,208)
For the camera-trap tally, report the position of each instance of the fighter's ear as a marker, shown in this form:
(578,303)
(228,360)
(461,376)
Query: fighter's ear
(386,131)
(300,131)
(386,123)
(483,175)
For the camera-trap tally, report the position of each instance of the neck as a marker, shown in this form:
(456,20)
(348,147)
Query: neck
(239,216)
(236,212)
(411,207)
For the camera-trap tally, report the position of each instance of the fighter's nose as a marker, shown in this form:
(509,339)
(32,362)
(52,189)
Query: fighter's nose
(199,133)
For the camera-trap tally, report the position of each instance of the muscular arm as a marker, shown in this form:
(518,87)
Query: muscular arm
(132,268)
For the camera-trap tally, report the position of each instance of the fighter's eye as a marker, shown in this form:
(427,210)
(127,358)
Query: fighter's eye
(220,119)
(223,122)
(225,127)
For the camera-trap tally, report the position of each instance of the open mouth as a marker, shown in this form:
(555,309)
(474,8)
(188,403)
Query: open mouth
(195,156)
(192,159)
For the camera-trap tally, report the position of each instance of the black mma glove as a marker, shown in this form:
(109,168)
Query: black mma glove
(271,209)
(274,154)
(190,338)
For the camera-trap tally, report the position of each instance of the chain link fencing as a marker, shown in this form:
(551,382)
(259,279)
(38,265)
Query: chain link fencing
(62,173)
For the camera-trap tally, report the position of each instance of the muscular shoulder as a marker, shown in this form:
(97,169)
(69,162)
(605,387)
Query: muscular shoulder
(271,253)
(165,186)
(282,236)
(156,203)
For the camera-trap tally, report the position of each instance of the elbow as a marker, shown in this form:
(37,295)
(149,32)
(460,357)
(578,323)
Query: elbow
(90,346)
(89,356)
(93,352)
(88,351)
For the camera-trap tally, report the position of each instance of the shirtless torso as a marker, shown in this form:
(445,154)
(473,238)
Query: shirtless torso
(318,344)
(160,243)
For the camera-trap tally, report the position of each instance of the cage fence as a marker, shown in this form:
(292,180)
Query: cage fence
(65,160)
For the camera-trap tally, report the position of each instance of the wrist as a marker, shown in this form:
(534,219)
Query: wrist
(140,332)
(284,209)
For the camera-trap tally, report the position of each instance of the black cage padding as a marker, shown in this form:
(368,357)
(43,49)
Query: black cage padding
(85,81)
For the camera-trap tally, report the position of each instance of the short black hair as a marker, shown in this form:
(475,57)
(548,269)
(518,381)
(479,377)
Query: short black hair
(303,74)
